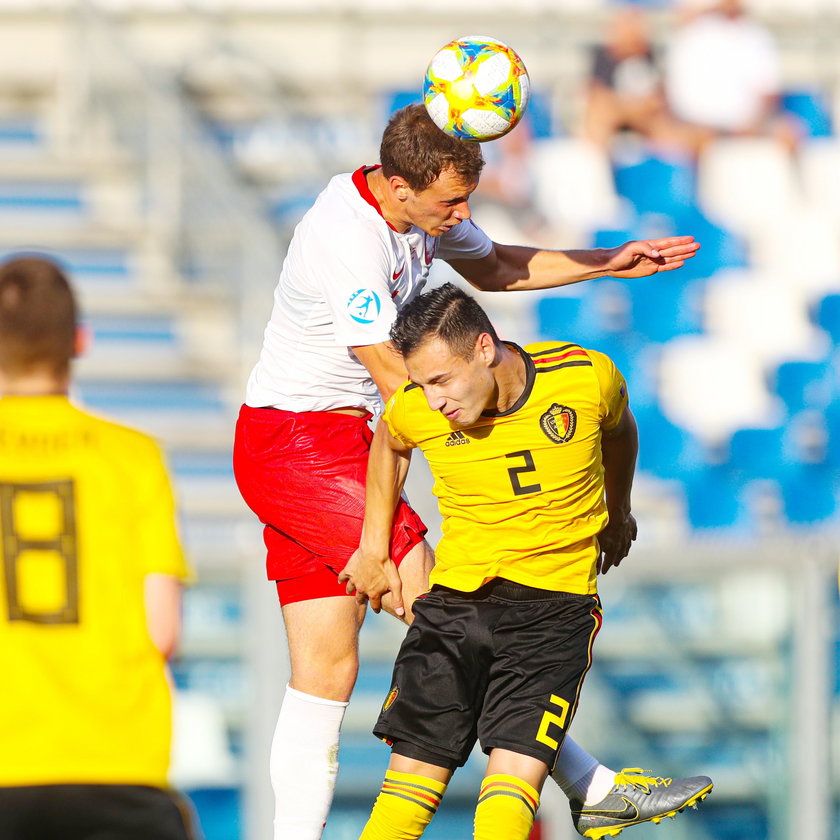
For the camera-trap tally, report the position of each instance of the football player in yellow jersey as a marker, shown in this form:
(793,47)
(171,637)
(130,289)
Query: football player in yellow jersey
(90,592)
(533,452)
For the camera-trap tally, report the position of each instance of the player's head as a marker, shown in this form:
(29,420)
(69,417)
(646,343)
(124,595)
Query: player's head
(431,174)
(450,350)
(38,320)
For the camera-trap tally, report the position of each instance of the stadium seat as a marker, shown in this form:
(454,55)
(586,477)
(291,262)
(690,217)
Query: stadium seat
(573,184)
(665,450)
(827,316)
(810,495)
(763,315)
(663,308)
(588,319)
(654,185)
(711,500)
(757,454)
(819,162)
(745,182)
(712,386)
(804,385)
(812,109)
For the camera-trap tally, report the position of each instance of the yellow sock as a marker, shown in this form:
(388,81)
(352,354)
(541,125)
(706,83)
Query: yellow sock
(506,809)
(404,807)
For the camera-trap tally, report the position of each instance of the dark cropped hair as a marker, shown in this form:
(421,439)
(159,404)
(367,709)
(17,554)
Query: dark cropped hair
(447,313)
(38,316)
(417,150)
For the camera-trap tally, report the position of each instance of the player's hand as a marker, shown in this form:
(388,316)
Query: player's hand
(641,258)
(370,578)
(615,541)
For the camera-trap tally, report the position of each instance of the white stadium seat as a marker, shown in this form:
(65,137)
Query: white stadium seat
(745,182)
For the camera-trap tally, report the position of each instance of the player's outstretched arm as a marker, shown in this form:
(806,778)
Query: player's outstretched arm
(619,448)
(370,572)
(515,268)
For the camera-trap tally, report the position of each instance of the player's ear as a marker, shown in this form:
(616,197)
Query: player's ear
(399,187)
(82,341)
(485,347)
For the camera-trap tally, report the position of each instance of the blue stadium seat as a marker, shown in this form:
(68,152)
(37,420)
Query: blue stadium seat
(810,494)
(713,501)
(665,450)
(827,316)
(183,396)
(812,108)
(665,306)
(219,812)
(758,454)
(539,115)
(64,197)
(155,329)
(657,186)
(804,385)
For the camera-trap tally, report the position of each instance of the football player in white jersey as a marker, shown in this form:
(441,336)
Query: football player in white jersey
(300,455)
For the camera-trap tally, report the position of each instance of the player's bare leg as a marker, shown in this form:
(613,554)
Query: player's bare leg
(415,569)
(323,639)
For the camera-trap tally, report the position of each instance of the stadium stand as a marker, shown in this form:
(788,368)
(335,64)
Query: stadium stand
(163,151)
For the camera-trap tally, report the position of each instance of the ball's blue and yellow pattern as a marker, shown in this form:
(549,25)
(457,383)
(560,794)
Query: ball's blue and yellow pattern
(476,88)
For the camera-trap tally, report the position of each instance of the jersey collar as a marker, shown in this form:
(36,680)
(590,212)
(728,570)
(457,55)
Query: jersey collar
(530,376)
(360,181)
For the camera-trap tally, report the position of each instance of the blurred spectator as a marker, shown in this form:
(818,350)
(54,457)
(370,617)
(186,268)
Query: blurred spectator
(625,90)
(506,193)
(90,594)
(722,74)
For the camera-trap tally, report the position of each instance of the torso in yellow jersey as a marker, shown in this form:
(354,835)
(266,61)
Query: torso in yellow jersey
(86,512)
(521,493)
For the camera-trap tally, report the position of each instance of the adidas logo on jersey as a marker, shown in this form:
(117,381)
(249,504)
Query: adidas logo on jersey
(456,439)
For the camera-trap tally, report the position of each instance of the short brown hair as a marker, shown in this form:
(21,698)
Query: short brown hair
(417,150)
(447,313)
(38,316)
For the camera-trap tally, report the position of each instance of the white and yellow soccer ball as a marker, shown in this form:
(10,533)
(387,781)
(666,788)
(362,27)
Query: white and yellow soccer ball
(476,88)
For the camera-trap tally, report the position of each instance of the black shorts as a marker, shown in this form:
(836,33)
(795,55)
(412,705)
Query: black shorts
(82,812)
(504,665)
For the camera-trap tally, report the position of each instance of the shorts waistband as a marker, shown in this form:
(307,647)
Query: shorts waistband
(507,590)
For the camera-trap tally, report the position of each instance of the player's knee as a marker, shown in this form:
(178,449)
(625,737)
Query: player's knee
(326,675)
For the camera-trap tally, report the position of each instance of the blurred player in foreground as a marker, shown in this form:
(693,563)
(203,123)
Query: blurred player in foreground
(90,594)
(359,255)
(533,452)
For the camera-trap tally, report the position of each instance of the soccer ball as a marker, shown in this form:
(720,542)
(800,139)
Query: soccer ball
(476,88)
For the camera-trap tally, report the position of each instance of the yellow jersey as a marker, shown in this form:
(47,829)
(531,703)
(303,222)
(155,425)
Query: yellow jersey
(521,492)
(86,512)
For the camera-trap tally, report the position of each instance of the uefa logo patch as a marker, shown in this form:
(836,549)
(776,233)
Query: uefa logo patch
(364,306)
(559,423)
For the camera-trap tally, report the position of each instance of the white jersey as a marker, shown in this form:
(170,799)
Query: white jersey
(346,274)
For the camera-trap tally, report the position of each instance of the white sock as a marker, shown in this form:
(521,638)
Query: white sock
(581,775)
(304,764)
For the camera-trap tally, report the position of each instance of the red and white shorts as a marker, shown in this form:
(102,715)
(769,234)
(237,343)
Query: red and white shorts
(303,474)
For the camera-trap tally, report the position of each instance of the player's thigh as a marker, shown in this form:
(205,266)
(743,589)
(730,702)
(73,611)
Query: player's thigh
(438,681)
(323,637)
(415,568)
(542,652)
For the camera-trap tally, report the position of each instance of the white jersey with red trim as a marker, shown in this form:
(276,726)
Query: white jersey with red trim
(345,276)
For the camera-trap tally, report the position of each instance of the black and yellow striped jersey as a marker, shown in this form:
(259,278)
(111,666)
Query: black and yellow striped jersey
(86,513)
(521,492)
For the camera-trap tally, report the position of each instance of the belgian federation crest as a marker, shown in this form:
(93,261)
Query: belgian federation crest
(389,700)
(559,423)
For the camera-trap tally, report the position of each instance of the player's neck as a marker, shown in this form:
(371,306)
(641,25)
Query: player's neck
(388,205)
(40,384)
(511,378)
